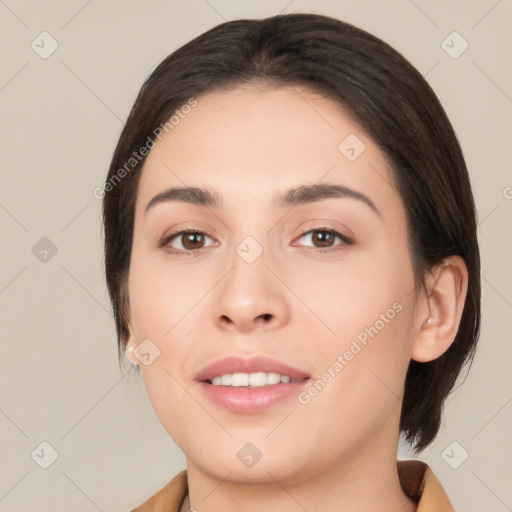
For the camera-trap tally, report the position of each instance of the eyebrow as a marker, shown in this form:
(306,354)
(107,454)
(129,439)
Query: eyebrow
(311,193)
(301,194)
(193,195)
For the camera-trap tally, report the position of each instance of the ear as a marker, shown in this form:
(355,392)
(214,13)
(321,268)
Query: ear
(131,343)
(130,348)
(439,309)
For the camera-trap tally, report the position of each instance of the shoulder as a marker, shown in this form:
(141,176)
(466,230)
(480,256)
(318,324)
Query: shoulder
(169,498)
(419,482)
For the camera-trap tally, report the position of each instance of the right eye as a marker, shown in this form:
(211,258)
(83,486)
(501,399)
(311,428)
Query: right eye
(188,240)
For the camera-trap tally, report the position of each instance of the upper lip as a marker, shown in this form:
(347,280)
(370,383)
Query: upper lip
(233,364)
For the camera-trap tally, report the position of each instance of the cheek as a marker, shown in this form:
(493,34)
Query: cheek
(164,308)
(369,307)
(177,410)
(346,297)
(361,384)
(161,294)
(159,307)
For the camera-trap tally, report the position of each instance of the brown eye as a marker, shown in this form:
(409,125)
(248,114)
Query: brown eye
(325,238)
(192,241)
(186,241)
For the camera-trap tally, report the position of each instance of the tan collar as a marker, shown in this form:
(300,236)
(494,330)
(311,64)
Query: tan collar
(416,478)
(421,485)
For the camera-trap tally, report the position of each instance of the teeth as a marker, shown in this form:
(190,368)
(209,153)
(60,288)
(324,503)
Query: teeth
(253,380)
(240,379)
(257,380)
(226,380)
(273,378)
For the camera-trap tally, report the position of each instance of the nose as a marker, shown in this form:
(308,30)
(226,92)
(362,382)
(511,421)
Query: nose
(250,297)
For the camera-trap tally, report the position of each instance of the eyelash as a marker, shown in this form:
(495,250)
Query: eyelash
(167,239)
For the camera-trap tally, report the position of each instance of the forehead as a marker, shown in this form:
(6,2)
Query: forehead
(247,143)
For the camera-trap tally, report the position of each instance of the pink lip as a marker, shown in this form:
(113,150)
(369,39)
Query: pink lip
(245,400)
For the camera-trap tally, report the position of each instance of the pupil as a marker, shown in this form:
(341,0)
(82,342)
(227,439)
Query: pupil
(191,240)
(324,238)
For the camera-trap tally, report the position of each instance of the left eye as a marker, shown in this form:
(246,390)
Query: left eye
(190,240)
(325,238)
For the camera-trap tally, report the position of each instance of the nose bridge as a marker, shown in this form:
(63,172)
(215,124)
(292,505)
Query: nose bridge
(250,294)
(250,243)
(249,275)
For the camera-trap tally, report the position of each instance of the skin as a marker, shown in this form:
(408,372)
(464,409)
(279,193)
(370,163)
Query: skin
(337,452)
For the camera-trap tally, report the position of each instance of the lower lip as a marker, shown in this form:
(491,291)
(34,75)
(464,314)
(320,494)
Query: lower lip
(251,400)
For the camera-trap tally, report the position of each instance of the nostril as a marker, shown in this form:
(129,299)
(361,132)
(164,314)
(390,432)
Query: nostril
(226,319)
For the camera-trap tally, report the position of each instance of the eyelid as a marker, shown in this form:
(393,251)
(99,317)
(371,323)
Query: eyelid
(345,240)
(166,238)
(323,224)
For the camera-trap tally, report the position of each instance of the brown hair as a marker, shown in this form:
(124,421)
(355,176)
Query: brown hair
(386,96)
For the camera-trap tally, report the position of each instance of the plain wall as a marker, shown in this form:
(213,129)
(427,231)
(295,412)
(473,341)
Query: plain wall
(61,117)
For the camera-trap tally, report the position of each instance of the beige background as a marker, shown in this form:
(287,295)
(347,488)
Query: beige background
(60,120)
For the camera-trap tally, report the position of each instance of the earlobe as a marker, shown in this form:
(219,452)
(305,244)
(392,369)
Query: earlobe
(130,348)
(445,297)
(131,343)
(429,321)
(131,356)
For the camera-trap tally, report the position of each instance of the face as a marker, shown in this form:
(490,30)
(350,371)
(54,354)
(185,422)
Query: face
(319,280)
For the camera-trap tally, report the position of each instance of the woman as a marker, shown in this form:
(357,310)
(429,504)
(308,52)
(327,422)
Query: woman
(291,254)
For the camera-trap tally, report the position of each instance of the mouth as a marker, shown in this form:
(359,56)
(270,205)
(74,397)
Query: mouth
(251,380)
(248,386)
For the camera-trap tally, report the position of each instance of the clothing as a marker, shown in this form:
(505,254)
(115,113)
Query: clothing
(416,479)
